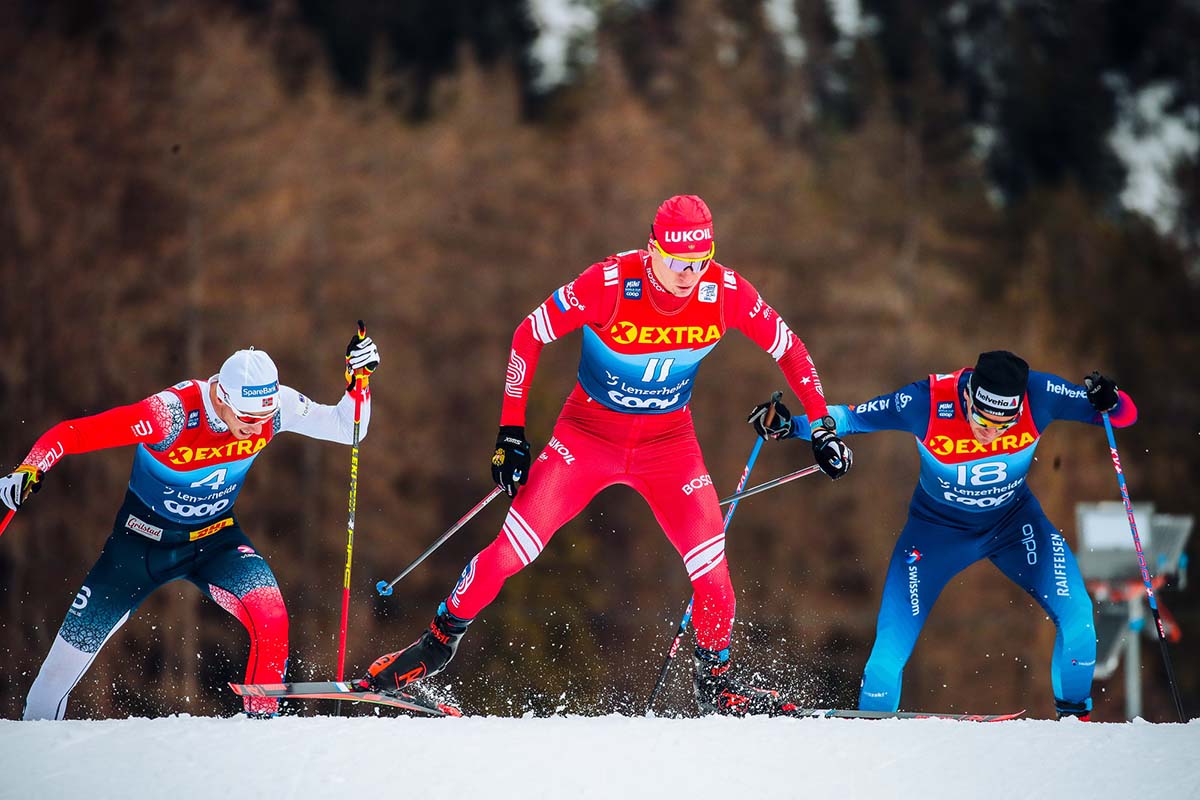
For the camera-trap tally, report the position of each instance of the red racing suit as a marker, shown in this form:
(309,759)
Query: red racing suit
(628,421)
(178,522)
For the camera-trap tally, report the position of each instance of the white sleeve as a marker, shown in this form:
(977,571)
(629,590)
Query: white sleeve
(299,414)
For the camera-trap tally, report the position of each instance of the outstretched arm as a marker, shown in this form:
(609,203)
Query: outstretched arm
(145,422)
(336,423)
(149,421)
(1052,397)
(906,409)
(299,414)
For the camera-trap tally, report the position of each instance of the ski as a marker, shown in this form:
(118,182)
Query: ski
(840,713)
(341,690)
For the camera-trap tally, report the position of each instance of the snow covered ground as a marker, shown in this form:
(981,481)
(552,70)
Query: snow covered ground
(594,757)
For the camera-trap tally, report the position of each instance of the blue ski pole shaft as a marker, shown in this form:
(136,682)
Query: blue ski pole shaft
(687,614)
(1137,544)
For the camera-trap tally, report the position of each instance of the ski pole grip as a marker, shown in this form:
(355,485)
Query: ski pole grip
(775,398)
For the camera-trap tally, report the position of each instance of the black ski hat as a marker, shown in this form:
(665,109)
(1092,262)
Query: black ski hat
(999,382)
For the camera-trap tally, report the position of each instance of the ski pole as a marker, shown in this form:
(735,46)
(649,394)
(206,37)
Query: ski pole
(360,383)
(762,487)
(7,519)
(384,588)
(687,612)
(1137,545)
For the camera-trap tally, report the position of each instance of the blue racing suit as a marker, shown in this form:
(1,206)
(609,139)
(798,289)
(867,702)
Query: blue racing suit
(972,502)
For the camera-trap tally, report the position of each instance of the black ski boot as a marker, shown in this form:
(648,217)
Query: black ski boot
(1066,708)
(719,692)
(427,656)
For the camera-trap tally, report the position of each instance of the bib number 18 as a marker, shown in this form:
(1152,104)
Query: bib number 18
(984,474)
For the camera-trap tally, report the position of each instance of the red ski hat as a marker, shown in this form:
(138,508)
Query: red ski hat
(683,226)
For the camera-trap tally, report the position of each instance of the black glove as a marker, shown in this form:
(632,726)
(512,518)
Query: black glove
(768,426)
(510,464)
(16,486)
(832,455)
(1101,392)
(362,356)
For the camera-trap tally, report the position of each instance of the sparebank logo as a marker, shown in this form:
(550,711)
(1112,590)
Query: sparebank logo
(262,390)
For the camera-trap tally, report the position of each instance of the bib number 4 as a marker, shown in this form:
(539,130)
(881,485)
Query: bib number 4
(213,480)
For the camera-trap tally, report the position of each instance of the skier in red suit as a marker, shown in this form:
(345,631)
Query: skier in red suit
(195,443)
(648,317)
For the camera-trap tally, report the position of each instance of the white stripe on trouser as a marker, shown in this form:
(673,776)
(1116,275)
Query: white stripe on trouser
(704,557)
(522,538)
(64,666)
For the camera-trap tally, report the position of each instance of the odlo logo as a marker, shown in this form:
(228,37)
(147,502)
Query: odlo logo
(697,483)
(1030,544)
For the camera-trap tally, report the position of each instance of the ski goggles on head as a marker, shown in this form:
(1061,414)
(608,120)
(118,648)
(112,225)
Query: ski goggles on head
(242,417)
(683,263)
(992,424)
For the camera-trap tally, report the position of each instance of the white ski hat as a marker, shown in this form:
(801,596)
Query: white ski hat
(249,382)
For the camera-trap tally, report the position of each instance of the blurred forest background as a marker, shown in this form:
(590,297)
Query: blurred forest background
(908,186)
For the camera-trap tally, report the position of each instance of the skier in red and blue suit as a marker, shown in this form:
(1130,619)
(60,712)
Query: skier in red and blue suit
(976,431)
(649,317)
(195,443)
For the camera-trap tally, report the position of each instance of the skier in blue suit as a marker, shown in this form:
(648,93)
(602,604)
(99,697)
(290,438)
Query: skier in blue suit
(976,432)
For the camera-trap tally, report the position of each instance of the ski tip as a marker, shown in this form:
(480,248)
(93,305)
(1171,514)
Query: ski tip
(383,588)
